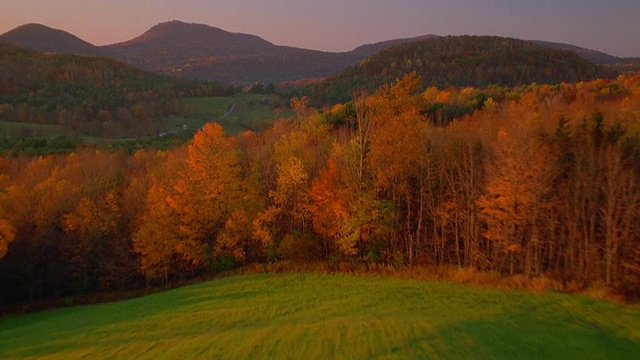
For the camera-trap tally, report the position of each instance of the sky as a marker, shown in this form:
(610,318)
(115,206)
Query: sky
(611,26)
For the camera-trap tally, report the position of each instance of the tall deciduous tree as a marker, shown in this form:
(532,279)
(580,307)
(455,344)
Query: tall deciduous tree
(516,196)
(156,240)
(207,194)
(400,159)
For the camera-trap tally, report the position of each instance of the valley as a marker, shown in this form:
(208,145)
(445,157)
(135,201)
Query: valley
(202,193)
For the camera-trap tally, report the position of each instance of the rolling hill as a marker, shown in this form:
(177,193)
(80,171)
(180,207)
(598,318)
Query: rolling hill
(477,61)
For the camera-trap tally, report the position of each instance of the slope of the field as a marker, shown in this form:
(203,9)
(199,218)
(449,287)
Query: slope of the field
(303,316)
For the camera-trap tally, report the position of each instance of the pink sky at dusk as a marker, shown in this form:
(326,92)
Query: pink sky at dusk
(611,26)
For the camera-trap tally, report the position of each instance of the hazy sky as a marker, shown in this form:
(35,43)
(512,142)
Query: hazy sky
(612,26)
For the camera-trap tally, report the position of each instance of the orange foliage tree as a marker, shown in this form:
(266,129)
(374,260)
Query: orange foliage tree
(400,161)
(517,196)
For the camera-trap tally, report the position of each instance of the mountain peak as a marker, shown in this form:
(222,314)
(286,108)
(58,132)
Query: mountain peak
(33,27)
(176,33)
(177,24)
(46,39)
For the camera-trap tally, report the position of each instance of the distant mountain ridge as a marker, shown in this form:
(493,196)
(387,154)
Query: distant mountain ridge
(206,52)
(209,53)
(594,56)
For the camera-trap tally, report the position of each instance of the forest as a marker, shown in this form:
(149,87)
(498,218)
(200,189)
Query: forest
(94,96)
(478,61)
(542,182)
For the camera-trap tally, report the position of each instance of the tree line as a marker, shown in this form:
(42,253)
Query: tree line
(543,184)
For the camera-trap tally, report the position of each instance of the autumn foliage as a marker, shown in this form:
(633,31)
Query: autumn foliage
(544,182)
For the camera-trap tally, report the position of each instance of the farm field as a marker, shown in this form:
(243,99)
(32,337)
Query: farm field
(248,113)
(329,316)
(21,130)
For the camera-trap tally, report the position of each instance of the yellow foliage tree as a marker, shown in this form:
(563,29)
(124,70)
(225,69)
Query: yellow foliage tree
(207,194)
(157,237)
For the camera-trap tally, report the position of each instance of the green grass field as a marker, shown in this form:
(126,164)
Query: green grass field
(313,316)
(22,130)
(178,122)
(248,113)
(213,107)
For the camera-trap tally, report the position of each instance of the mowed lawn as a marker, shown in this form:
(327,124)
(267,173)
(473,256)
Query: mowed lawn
(314,316)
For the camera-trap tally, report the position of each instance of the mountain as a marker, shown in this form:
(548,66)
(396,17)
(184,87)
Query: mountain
(477,61)
(206,52)
(177,34)
(48,40)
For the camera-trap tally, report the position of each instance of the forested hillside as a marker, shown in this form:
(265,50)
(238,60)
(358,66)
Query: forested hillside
(202,52)
(205,52)
(544,184)
(91,95)
(478,61)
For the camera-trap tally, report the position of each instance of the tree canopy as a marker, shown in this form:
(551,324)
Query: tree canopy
(545,184)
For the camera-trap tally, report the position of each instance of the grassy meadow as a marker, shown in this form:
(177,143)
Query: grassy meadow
(248,113)
(22,130)
(304,316)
